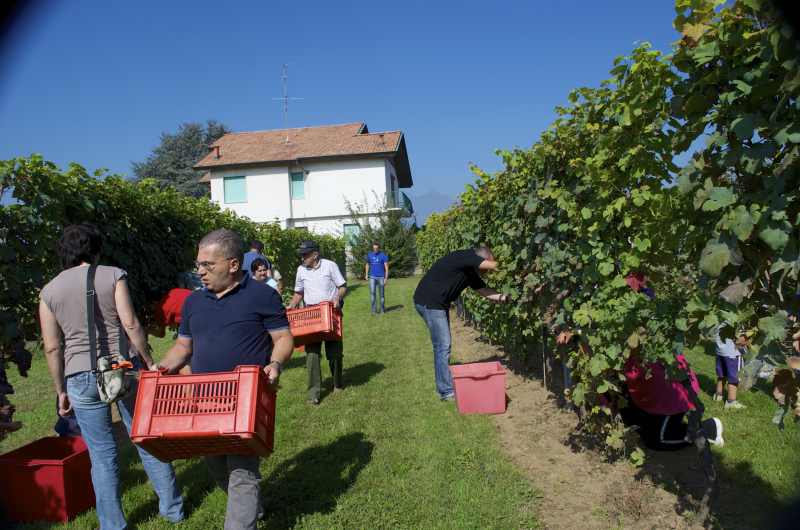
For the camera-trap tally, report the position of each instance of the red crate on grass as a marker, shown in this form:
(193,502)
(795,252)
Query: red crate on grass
(480,387)
(315,323)
(47,480)
(184,416)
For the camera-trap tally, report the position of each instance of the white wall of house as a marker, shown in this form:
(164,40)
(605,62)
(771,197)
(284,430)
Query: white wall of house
(327,186)
(267,193)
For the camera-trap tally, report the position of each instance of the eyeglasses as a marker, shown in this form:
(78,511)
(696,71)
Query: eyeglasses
(209,266)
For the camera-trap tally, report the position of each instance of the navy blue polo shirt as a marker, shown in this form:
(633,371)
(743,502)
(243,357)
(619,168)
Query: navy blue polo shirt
(231,331)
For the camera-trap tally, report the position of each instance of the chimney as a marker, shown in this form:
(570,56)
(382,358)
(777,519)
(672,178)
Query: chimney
(215,148)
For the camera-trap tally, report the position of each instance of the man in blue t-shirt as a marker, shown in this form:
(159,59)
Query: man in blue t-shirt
(256,252)
(376,271)
(233,321)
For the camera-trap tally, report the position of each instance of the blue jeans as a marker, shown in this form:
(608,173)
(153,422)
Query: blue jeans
(377,284)
(94,418)
(438,322)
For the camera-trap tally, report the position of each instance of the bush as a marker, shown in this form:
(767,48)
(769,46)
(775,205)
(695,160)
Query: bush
(594,200)
(151,231)
(397,239)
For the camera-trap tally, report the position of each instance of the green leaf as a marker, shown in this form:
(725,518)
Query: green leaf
(774,327)
(789,134)
(586,213)
(597,364)
(776,239)
(606,268)
(578,394)
(681,324)
(637,457)
(743,87)
(705,53)
(714,258)
(625,119)
(741,223)
(719,198)
(743,127)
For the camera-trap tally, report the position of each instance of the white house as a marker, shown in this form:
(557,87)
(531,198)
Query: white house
(304,177)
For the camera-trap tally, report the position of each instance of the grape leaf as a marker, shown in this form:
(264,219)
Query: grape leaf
(775,238)
(714,258)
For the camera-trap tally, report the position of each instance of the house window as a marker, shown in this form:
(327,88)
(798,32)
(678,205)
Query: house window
(298,186)
(351,232)
(235,189)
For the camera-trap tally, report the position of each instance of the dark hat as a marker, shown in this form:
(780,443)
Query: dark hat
(307,247)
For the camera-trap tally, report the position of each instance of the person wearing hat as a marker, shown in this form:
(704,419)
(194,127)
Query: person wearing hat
(319,280)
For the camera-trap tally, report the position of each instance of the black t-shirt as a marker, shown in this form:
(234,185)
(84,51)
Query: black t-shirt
(447,278)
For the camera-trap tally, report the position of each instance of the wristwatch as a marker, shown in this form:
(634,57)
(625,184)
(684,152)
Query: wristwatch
(280,366)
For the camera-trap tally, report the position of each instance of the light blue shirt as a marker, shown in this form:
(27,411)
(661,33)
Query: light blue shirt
(726,348)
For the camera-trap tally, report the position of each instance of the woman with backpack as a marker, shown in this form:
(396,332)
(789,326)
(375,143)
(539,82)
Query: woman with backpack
(87,319)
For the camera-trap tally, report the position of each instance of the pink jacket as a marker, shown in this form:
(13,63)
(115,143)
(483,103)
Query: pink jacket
(654,393)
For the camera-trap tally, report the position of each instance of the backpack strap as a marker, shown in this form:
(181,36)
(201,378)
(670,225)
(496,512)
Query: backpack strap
(91,327)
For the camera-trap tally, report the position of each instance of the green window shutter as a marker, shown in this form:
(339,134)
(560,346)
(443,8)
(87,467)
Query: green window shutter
(235,189)
(298,186)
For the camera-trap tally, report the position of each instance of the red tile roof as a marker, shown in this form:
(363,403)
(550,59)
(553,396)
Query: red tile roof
(350,140)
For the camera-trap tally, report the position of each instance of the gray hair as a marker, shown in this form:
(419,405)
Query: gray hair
(484,252)
(228,241)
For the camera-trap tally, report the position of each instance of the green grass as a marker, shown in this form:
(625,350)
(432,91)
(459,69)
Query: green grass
(385,453)
(759,465)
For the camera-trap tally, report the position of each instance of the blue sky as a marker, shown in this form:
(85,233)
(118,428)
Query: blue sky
(97,82)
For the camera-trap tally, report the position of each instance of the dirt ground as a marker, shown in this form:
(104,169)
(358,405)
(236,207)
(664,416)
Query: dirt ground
(578,488)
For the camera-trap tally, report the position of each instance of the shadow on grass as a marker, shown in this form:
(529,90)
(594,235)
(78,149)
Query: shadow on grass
(396,307)
(732,506)
(354,287)
(314,479)
(361,373)
(298,359)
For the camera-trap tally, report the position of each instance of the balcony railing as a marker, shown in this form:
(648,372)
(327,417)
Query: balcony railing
(397,200)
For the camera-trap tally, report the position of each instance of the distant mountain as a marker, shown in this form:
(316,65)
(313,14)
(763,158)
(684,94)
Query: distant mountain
(428,202)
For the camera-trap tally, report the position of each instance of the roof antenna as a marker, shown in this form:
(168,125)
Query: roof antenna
(285,99)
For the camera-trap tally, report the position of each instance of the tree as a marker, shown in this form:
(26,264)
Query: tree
(396,236)
(171,163)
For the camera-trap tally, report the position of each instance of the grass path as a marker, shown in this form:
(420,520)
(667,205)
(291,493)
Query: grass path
(385,453)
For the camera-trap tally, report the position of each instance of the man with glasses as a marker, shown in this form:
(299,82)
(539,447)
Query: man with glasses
(233,321)
(319,280)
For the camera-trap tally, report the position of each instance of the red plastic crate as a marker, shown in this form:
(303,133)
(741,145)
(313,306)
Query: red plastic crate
(47,480)
(315,323)
(222,413)
(480,387)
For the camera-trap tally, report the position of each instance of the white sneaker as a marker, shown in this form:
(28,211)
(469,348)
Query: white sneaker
(734,405)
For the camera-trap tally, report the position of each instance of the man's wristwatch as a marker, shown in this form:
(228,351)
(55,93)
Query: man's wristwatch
(280,366)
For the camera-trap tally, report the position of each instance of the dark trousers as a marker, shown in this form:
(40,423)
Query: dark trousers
(658,432)
(333,351)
